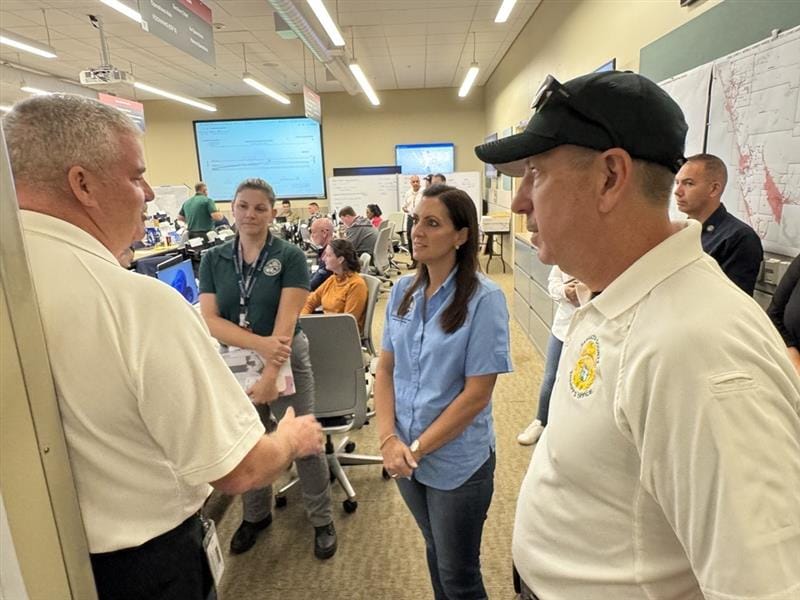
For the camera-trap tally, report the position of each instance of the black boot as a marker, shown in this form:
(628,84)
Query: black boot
(325,541)
(246,535)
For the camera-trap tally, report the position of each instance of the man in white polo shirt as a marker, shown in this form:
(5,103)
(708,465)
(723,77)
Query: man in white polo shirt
(150,412)
(670,466)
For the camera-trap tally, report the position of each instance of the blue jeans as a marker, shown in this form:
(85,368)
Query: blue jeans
(554,346)
(452,524)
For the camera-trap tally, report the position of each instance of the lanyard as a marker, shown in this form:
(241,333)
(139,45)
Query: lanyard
(246,283)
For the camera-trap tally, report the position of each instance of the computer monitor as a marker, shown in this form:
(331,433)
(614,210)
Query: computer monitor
(181,277)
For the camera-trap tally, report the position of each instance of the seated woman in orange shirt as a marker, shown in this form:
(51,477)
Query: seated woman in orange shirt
(346,291)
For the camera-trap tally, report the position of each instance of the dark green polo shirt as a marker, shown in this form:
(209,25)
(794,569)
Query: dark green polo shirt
(197,212)
(285,267)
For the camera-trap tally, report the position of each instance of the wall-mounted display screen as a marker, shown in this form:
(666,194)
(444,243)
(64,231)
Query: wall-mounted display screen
(286,152)
(419,159)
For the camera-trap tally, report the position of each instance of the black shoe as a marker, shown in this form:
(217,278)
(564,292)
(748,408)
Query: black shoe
(246,535)
(325,541)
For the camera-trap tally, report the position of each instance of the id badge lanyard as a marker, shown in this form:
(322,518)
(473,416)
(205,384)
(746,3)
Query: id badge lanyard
(248,281)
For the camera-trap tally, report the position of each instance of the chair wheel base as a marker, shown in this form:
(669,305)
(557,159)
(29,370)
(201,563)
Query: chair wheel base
(280,501)
(350,447)
(350,506)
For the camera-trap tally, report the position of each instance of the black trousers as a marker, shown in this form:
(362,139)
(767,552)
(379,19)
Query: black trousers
(172,566)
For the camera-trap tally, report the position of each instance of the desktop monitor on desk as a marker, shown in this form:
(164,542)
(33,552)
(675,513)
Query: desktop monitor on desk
(179,275)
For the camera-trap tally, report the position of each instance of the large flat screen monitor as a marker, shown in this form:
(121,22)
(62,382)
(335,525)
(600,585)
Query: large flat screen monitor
(286,152)
(420,159)
(181,277)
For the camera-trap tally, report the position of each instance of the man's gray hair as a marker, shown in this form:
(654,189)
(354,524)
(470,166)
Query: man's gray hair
(48,135)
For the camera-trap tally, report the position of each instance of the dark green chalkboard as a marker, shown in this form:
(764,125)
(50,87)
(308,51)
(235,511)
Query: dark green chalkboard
(729,26)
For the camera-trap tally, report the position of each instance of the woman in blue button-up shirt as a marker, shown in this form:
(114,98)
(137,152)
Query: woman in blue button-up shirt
(444,342)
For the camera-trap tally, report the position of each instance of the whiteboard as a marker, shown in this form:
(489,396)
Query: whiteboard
(469,181)
(690,91)
(359,190)
(169,199)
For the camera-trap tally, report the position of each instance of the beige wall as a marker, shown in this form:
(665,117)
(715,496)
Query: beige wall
(566,38)
(354,133)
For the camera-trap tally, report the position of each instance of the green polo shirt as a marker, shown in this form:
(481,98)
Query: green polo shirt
(285,267)
(197,212)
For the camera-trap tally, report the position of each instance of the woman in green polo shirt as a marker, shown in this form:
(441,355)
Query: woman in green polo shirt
(251,292)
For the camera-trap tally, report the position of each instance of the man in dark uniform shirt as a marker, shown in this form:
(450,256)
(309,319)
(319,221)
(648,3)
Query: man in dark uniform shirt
(731,242)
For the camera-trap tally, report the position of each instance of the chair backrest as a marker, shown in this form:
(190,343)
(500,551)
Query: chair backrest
(384,224)
(305,233)
(373,291)
(380,255)
(365,259)
(338,366)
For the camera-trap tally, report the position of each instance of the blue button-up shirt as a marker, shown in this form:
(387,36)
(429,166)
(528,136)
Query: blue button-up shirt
(431,367)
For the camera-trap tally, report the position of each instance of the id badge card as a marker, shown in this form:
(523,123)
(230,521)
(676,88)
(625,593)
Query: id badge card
(213,553)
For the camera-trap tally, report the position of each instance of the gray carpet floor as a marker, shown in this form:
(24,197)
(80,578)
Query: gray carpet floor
(381,554)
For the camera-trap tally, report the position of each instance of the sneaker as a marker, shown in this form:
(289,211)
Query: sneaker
(246,535)
(531,434)
(325,541)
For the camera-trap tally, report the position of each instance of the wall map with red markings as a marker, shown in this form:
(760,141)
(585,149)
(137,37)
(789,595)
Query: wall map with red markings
(754,126)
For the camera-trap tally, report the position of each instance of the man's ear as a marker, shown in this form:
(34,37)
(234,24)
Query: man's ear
(617,174)
(83,185)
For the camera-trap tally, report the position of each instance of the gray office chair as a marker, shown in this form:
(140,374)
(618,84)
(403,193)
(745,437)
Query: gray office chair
(381,263)
(341,394)
(365,259)
(373,291)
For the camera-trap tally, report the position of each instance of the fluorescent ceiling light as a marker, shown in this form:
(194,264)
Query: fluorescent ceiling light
(185,99)
(505,10)
(5,108)
(469,79)
(35,91)
(124,9)
(362,81)
(325,19)
(249,80)
(26,44)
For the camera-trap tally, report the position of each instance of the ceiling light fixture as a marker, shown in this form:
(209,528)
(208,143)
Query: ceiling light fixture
(355,69)
(254,83)
(248,79)
(504,11)
(26,44)
(184,99)
(35,91)
(123,8)
(472,73)
(362,81)
(326,21)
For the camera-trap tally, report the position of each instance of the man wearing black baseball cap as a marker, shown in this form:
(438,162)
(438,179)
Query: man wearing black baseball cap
(670,464)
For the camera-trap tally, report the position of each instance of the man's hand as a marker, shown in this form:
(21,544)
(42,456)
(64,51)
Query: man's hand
(304,434)
(275,348)
(571,293)
(263,391)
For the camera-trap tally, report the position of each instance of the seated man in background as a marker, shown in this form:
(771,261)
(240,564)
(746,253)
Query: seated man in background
(359,231)
(344,292)
(151,413)
(321,234)
(285,214)
(313,213)
(199,213)
(731,242)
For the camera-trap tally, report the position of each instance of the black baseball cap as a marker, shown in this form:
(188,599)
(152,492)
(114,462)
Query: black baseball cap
(613,109)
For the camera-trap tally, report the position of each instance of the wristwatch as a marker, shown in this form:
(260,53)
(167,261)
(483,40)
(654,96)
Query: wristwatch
(414,447)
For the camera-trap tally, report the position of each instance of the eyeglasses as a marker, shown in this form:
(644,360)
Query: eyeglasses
(552,91)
